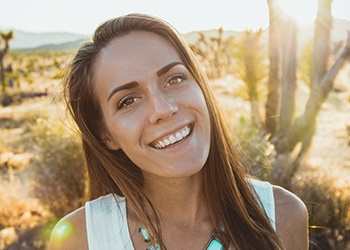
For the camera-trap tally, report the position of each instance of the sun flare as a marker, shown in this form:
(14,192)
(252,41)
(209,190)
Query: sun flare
(302,11)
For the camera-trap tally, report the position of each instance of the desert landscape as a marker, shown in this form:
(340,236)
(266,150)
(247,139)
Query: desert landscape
(42,175)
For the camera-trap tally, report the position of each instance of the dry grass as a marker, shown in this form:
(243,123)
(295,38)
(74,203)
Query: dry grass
(19,211)
(38,150)
(329,210)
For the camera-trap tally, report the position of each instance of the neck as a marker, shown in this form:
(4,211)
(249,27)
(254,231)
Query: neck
(183,213)
(179,201)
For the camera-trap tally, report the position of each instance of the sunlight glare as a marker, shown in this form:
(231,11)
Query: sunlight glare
(302,11)
(64,230)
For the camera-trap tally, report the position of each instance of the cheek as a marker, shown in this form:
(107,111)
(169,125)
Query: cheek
(198,101)
(127,133)
(202,108)
(193,96)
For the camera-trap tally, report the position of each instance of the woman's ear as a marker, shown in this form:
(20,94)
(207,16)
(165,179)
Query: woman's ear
(110,143)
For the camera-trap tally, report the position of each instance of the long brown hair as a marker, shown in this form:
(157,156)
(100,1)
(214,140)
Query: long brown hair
(228,195)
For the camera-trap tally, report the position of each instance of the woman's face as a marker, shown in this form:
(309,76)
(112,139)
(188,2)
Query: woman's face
(152,106)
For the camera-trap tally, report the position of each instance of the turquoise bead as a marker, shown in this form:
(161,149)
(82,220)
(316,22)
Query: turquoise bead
(214,244)
(154,247)
(144,233)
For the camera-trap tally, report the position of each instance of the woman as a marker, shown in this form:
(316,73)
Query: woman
(162,170)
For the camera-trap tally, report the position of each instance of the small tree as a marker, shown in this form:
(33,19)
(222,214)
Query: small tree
(301,130)
(288,80)
(6,37)
(251,64)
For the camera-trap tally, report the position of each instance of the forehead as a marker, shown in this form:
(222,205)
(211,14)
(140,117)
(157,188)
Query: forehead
(137,56)
(139,50)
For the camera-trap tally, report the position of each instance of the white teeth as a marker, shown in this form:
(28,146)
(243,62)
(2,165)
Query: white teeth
(172,139)
(178,136)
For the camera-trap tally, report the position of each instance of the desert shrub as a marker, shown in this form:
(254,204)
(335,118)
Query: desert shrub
(251,69)
(328,204)
(252,147)
(329,211)
(214,53)
(251,143)
(31,65)
(19,212)
(27,66)
(59,173)
(17,208)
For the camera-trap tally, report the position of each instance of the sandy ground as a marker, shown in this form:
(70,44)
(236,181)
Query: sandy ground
(330,151)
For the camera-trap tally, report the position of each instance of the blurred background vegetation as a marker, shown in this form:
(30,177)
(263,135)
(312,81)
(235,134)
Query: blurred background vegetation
(270,90)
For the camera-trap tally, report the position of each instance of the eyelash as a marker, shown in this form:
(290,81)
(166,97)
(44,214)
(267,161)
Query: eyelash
(180,76)
(123,102)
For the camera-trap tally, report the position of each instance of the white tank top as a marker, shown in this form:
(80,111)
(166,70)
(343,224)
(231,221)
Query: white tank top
(107,225)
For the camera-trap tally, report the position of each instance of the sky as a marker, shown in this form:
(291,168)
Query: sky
(83,16)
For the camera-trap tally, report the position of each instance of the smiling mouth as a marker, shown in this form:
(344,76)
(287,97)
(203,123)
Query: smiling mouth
(172,139)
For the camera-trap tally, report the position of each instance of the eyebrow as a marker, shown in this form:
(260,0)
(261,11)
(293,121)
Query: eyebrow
(166,68)
(131,85)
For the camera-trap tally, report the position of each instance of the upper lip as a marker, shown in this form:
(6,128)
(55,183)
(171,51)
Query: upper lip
(168,133)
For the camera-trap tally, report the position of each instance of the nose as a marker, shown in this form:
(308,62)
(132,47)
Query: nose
(162,107)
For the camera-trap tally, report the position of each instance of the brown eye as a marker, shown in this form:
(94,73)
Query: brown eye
(176,79)
(126,102)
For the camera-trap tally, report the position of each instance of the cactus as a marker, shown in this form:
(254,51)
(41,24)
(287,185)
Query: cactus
(4,37)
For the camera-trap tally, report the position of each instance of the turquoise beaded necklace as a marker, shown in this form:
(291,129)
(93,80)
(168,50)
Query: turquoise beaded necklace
(213,244)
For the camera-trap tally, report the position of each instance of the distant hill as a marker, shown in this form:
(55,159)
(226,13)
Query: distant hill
(57,47)
(27,40)
(305,32)
(70,41)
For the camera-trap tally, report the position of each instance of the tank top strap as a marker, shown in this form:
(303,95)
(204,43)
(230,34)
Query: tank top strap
(106,224)
(264,194)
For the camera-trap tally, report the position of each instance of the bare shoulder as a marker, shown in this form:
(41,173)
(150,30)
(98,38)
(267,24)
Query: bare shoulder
(70,232)
(291,219)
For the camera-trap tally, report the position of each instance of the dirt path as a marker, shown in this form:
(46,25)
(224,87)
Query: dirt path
(330,152)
